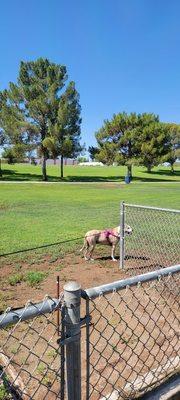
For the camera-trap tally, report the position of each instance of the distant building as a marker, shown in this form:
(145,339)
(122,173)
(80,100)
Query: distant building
(50,161)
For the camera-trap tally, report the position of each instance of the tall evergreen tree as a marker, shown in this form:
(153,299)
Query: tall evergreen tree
(174,132)
(153,145)
(64,133)
(34,103)
(117,139)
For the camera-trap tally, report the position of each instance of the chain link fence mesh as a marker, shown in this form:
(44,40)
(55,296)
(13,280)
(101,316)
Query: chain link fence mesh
(133,339)
(155,241)
(132,346)
(31,361)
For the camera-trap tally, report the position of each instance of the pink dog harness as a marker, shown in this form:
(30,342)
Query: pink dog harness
(109,232)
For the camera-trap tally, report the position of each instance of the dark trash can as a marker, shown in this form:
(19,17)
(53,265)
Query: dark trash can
(127,179)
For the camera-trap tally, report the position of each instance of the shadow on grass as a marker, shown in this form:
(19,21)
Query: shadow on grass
(9,175)
(162,176)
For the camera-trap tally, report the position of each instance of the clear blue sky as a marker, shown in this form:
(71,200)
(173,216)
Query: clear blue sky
(124,55)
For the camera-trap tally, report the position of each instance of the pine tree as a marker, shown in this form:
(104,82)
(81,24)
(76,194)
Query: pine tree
(118,138)
(64,133)
(31,109)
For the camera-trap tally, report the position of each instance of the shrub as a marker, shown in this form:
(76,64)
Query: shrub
(35,277)
(14,279)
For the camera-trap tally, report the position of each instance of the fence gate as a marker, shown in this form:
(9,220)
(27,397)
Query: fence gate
(155,239)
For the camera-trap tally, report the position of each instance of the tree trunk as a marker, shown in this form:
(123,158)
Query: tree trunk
(172,168)
(62,159)
(54,161)
(129,171)
(44,173)
(149,168)
(0,168)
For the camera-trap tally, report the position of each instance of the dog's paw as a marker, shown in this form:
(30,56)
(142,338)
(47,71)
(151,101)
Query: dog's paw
(113,259)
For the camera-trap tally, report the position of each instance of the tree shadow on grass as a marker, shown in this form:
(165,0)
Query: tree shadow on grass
(13,176)
(162,176)
(121,178)
(163,172)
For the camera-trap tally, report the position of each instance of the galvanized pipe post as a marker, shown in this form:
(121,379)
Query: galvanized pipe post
(122,222)
(72,299)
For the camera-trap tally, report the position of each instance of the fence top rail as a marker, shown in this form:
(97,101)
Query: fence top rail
(94,292)
(31,310)
(152,208)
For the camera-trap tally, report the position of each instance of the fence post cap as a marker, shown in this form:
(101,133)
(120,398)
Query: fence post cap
(72,286)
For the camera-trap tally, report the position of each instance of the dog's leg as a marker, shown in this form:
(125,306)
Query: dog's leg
(86,247)
(86,252)
(91,252)
(113,251)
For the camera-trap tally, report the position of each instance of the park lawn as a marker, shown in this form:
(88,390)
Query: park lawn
(27,172)
(35,214)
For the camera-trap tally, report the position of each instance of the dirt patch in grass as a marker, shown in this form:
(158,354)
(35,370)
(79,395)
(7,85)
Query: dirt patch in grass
(68,266)
(71,267)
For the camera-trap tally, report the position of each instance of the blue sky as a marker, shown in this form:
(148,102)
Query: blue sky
(123,55)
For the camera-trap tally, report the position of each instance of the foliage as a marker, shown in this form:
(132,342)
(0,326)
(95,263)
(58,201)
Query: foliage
(174,132)
(82,159)
(15,153)
(8,154)
(134,139)
(41,368)
(35,277)
(65,130)
(93,152)
(3,393)
(117,139)
(153,145)
(35,109)
(14,279)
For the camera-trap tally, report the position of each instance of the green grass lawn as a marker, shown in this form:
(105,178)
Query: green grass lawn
(27,172)
(34,214)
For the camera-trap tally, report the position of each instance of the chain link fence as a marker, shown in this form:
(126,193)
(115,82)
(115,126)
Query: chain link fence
(155,240)
(31,361)
(133,337)
(128,346)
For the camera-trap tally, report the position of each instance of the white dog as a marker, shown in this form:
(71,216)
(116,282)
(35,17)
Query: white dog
(109,237)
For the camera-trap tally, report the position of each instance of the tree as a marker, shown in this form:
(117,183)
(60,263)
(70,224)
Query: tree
(82,159)
(34,104)
(153,145)
(9,155)
(93,152)
(117,139)
(64,133)
(174,132)
(16,153)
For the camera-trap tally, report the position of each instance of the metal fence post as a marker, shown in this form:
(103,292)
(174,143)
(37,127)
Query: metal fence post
(122,222)
(72,299)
